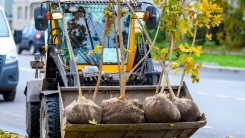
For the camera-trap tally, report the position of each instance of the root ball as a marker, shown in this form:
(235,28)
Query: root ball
(82,112)
(116,111)
(188,109)
(159,109)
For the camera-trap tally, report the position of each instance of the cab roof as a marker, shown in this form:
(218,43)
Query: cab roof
(85,1)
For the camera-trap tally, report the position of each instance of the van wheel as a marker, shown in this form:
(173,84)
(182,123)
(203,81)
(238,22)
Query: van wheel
(9,95)
(50,117)
(32,49)
(19,50)
(32,119)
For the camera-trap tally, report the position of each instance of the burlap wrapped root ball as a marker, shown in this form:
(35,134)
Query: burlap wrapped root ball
(159,109)
(80,112)
(189,111)
(116,111)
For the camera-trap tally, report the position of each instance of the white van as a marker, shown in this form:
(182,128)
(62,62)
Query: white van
(9,70)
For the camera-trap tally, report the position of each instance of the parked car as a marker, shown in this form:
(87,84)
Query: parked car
(9,69)
(32,39)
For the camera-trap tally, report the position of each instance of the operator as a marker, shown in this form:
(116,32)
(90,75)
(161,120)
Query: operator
(76,27)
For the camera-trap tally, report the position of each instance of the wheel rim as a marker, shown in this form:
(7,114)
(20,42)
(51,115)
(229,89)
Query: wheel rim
(32,49)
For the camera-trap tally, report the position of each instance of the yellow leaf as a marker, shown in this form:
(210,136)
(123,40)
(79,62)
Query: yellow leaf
(121,97)
(155,58)
(127,51)
(208,14)
(199,66)
(216,20)
(162,57)
(176,72)
(156,48)
(207,25)
(174,66)
(88,53)
(183,49)
(97,48)
(171,124)
(209,36)
(165,51)
(197,50)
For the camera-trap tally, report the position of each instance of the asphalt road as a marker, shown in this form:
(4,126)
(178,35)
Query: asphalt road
(219,94)
(13,113)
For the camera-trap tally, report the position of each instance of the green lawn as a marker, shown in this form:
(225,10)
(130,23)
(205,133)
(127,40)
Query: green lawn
(221,60)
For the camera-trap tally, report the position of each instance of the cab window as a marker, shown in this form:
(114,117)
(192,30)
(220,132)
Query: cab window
(3,27)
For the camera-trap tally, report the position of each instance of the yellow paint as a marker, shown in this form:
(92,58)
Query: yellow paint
(46,48)
(131,55)
(105,68)
(171,124)
(108,68)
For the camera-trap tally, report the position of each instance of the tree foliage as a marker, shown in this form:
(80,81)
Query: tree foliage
(183,18)
(229,33)
(161,38)
(232,30)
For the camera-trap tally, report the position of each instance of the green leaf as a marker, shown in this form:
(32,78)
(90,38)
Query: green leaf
(93,122)
(1,132)
(171,28)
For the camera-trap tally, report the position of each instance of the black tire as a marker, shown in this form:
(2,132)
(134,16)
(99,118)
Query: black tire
(19,50)
(32,119)
(32,49)
(50,117)
(9,95)
(150,68)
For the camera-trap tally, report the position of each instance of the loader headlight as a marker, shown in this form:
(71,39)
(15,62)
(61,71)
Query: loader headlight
(73,8)
(11,56)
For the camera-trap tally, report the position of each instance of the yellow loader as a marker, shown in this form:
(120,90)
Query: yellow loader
(47,96)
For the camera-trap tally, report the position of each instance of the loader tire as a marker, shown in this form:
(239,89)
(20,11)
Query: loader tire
(50,117)
(153,79)
(32,119)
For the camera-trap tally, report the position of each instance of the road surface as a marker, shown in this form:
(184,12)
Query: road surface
(220,95)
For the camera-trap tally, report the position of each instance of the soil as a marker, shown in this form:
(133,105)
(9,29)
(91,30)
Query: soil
(188,109)
(116,111)
(82,112)
(159,109)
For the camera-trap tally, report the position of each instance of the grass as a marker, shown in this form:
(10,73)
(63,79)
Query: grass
(222,60)
(227,60)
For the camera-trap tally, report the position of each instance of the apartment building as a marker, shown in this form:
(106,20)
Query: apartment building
(23,12)
(7,6)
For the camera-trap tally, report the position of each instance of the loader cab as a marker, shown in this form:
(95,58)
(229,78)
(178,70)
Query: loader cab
(85,24)
(85,28)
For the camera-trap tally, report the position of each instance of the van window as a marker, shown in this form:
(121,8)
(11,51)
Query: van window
(3,27)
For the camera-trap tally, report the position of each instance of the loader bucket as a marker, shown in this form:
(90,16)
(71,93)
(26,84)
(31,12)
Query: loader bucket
(141,130)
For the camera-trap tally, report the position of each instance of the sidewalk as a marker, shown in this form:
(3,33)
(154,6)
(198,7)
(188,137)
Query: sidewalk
(218,52)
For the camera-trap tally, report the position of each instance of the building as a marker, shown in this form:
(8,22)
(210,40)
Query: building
(7,6)
(23,12)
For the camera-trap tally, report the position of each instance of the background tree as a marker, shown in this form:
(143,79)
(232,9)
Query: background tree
(232,29)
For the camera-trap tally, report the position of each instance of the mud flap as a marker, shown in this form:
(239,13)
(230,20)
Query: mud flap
(33,90)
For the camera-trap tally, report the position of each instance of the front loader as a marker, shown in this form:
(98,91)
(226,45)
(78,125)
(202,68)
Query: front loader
(47,96)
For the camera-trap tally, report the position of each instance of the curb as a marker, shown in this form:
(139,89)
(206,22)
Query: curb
(213,67)
(227,69)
